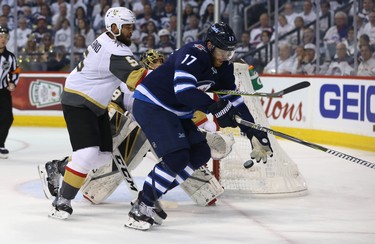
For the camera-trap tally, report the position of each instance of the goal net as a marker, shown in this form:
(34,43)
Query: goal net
(278,177)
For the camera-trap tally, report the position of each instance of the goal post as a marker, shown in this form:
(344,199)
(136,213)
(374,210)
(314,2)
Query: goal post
(278,177)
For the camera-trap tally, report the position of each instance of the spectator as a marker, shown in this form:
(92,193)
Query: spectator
(299,53)
(58,60)
(169,10)
(360,25)
(296,38)
(308,13)
(98,23)
(191,33)
(283,27)
(285,62)
(98,7)
(207,19)
(369,28)
(27,14)
(342,64)
(63,36)
(349,40)
(165,45)
(60,16)
(242,48)
(265,54)
(85,29)
(148,42)
(147,16)
(308,36)
(55,7)
(289,12)
(139,6)
(172,28)
(41,28)
(46,47)
(339,31)
(151,29)
(310,64)
(367,62)
(158,9)
(365,9)
(22,34)
(79,14)
(327,14)
(186,13)
(255,34)
(45,11)
(79,48)
(6,11)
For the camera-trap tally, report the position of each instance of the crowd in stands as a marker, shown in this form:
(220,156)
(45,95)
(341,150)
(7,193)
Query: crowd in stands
(42,38)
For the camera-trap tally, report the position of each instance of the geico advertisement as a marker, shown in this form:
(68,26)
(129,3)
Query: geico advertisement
(335,104)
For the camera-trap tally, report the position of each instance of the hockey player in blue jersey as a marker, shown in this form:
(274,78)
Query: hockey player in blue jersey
(164,104)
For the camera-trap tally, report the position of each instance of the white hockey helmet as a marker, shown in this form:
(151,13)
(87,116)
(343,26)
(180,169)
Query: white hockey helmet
(118,16)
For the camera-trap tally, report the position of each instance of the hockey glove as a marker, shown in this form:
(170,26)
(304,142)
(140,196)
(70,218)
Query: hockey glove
(224,112)
(261,146)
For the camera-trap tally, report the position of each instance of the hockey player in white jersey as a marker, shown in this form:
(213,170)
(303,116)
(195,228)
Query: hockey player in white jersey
(107,63)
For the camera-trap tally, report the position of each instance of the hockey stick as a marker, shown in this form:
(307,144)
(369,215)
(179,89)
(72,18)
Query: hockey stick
(305,143)
(123,168)
(285,91)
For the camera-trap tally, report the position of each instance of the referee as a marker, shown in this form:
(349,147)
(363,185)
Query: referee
(9,71)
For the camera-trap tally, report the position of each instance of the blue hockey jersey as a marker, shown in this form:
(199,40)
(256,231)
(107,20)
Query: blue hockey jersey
(179,84)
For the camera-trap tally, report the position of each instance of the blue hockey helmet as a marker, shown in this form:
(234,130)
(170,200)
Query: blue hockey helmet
(222,36)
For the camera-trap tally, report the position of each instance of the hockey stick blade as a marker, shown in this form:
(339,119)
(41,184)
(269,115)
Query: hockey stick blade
(305,143)
(287,90)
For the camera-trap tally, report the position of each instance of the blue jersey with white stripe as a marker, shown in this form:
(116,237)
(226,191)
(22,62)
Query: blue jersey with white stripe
(179,84)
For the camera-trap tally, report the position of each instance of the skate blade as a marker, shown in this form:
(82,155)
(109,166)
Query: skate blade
(4,156)
(137,225)
(56,214)
(43,179)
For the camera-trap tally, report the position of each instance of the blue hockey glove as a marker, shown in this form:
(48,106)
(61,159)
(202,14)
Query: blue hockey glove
(224,112)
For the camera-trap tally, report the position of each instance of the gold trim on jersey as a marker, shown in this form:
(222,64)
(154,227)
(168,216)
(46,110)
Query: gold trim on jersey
(135,77)
(199,118)
(85,96)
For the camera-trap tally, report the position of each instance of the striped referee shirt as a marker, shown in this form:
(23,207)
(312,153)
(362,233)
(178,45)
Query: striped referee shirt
(9,70)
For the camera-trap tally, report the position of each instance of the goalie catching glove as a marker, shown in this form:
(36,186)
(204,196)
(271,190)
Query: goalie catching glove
(224,112)
(261,146)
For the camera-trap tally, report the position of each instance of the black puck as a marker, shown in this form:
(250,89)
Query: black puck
(248,164)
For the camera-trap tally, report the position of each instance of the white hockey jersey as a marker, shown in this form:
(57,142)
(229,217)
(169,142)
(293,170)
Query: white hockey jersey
(91,84)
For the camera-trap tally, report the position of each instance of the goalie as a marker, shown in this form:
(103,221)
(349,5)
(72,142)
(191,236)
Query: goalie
(203,188)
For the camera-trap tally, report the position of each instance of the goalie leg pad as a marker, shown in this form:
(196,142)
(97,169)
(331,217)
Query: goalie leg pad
(202,187)
(101,183)
(220,144)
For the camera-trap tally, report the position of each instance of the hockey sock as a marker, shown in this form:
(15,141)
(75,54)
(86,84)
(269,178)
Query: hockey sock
(157,183)
(181,177)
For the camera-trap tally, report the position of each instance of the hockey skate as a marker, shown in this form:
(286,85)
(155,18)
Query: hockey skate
(140,216)
(61,208)
(50,178)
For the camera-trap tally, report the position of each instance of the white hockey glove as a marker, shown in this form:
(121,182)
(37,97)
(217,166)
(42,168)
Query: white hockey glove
(261,146)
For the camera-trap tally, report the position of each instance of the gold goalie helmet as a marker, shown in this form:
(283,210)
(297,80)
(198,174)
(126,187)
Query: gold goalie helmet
(152,59)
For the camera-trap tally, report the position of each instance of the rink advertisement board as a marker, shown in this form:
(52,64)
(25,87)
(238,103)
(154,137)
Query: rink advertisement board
(342,105)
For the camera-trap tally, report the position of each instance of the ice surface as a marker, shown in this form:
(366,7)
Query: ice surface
(340,206)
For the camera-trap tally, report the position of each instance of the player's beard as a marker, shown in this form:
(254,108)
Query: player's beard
(123,39)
